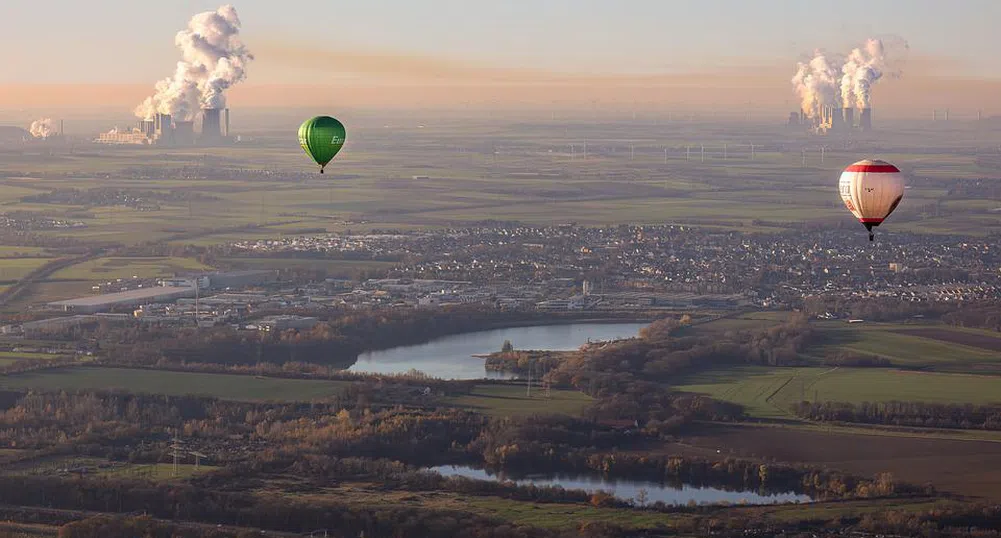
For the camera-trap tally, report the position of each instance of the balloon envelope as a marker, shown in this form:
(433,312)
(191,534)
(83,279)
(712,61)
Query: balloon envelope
(871,190)
(321,138)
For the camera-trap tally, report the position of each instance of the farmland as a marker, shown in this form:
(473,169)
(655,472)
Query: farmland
(104,468)
(114,268)
(513,400)
(769,392)
(967,467)
(940,364)
(230,387)
(636,172)
(975,339)
(934,347)
(438,173)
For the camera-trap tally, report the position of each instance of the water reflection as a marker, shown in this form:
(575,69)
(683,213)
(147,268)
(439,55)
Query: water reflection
(630,489)
(451,357)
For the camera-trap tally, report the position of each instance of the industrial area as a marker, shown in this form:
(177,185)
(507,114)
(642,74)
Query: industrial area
(832,120)
(165,130)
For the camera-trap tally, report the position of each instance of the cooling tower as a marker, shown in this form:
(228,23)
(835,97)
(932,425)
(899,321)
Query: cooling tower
(211,130)
(848,115)
(164,129)
(184,133)
(865,119)
(148,127)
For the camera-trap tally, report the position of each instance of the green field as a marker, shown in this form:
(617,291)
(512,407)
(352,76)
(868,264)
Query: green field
(910,350)
(159,471)
(228,387)
(12,269)
(15,251)
(492,167)
(457,171)
(10,357)
(769,392)
(93,466)
(746,322)
(512,400)
(113,268)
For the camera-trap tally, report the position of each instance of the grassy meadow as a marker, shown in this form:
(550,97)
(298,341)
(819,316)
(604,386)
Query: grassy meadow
(227,387)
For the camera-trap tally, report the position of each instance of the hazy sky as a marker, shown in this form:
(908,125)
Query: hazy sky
(68,41)
(300,42)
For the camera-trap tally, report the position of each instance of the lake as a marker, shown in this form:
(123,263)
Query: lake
(451,357)
(629,489)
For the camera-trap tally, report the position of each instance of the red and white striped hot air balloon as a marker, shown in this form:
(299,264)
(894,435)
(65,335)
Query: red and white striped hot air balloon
(871,189)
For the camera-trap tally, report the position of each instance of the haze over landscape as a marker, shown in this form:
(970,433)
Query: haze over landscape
(458,269)
(642,54)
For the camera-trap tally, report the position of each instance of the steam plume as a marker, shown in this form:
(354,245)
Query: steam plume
(815,82)
(43,128)
(828,80)
(212,59)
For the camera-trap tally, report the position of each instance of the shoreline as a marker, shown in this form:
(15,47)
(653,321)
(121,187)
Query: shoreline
(566,321)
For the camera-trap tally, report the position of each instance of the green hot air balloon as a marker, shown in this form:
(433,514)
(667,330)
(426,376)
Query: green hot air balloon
(321,138)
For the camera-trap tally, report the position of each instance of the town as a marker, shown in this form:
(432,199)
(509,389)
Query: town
(562,268)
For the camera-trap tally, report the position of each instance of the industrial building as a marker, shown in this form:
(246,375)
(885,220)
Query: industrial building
(241,279)
(284,323)
(831,119)
(62,323)
(131,298)
(162,129)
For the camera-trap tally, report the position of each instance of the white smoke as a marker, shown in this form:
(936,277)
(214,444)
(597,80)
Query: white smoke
(43,128)
(815,83)
(829,80)
(212,60)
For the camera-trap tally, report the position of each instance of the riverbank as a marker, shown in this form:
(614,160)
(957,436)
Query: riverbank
(567,321)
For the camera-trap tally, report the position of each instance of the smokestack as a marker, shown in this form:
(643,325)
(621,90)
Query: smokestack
(226,132)
(980,115)
(211,129)
(865,119)
(60,127)
(848,115)
(947,114)
(934,115)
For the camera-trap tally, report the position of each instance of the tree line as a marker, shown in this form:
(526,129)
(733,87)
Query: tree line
(915,414)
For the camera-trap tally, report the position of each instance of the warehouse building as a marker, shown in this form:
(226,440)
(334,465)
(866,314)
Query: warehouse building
(131,298)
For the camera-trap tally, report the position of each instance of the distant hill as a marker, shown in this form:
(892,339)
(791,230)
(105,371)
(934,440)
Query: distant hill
(12,134)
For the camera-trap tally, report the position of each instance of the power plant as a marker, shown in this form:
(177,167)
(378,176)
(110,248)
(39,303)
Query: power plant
(163,130)
(830,120)
(835,92)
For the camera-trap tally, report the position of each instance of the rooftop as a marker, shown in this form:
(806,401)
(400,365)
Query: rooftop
(130,295)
